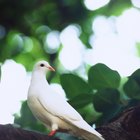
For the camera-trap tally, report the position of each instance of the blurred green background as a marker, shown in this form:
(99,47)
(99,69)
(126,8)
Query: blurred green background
(94,47)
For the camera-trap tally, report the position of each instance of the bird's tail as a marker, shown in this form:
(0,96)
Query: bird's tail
(85,131)
(90,136)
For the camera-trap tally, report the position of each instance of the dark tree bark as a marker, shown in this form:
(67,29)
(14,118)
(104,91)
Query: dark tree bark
(9,132)
(124,127)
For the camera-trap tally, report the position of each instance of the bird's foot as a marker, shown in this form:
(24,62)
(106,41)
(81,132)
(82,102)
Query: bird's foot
(52,133)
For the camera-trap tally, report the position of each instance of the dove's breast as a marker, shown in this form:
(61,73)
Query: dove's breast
(43,115)
(38,110)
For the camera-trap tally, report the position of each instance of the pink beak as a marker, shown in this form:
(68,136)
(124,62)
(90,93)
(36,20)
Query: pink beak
(51,68)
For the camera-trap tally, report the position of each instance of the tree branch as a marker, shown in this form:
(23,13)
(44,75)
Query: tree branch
(9,132)
(124,127)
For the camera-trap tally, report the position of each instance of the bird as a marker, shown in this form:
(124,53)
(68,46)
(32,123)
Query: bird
(52,109)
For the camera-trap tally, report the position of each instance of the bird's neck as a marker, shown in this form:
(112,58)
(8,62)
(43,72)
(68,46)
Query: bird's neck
(39,77)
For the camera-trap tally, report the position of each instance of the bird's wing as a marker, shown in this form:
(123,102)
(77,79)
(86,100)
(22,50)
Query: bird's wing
(59,107)
(54,104)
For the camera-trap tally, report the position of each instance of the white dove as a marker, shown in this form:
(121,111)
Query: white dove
(53,110)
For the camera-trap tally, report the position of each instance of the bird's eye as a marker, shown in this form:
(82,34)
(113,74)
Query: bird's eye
(42,65)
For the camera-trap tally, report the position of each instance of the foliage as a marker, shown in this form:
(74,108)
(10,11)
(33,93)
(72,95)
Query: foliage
(132,86)
(24,26)
(100,76)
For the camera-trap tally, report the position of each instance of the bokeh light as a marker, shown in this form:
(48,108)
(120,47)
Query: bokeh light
(95,4)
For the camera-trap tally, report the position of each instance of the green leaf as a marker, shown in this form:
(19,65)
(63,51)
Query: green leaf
(132,89)
(74,85)
(104,98)
(100,76)
(89,113)
(136,76)
(107,102)
(132,86)
(109,113)
(81,100)
(27,120)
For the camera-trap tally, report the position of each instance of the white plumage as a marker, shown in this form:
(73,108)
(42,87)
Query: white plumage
(55,112)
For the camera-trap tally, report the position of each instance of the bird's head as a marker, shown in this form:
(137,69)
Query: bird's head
(43,66)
